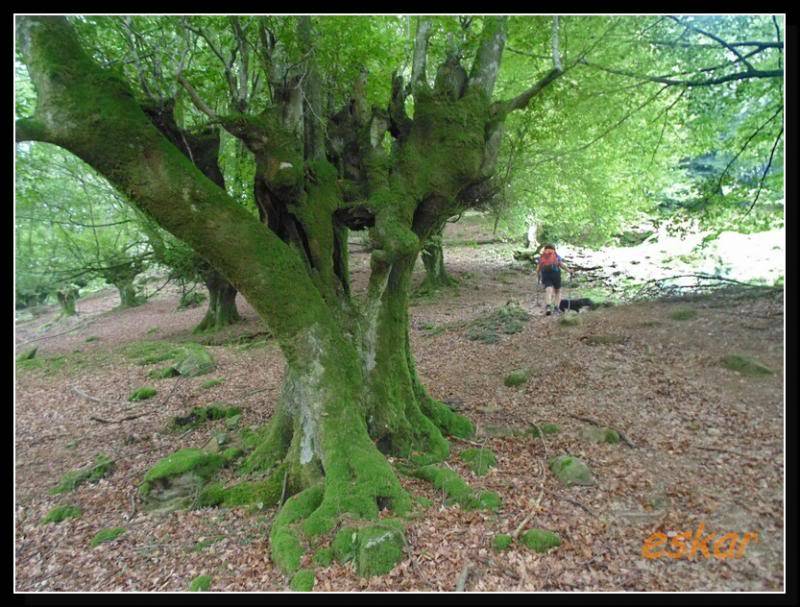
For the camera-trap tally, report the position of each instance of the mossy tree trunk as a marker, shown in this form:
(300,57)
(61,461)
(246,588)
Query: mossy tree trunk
(436,275)
(221,304)
(67,296)
(127,295)
(351,392)
(122,274)
(202,149)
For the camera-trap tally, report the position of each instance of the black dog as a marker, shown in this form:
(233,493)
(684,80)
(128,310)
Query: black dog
(576,304)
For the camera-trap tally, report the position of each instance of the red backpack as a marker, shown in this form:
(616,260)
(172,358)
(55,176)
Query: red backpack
(549,260)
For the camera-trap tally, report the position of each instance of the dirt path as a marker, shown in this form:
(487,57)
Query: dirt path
(708,447)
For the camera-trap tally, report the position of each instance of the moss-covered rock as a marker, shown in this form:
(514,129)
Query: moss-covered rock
(27,354)
(303,581)
(200,584)
(504,321)
(200,415)
(142,394)
(571,471)
(604,340)
(150,352)
(745,365)
(517,378)
(501,541)
(570,319)
(479,460)
(211,383)
(683,314)
(194,360)
(60,513)
(164,373)
(106,535)
(597,434)
(540,540)
(176,479)
(536,430)
(102,467)
(379,548)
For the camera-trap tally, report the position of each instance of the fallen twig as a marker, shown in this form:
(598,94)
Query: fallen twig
(469,442)
(117,421)
(83,394)
(462,579)
(577,503)
(534,510)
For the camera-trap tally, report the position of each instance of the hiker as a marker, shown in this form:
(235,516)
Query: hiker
(548,271)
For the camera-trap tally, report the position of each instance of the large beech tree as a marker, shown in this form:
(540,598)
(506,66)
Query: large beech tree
(351,394)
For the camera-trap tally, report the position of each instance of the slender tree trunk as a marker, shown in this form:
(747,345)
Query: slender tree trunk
(66,300)
(436,275)
(222,310)
(127,295)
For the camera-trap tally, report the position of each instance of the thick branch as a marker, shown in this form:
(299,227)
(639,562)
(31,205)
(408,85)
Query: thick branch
(487,60)
(554,42)
(30,129)
(521,101)
(418,78)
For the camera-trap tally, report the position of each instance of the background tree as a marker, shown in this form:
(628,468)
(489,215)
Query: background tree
(73,228)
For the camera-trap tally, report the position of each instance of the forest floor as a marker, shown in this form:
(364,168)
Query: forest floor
(705,444)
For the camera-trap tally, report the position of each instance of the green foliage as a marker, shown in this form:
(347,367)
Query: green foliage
(191,300)
(72,227)
(60,513)
(106,535)
(142,393)
(201,583)
(211,383)
(102,467)
(745,365)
